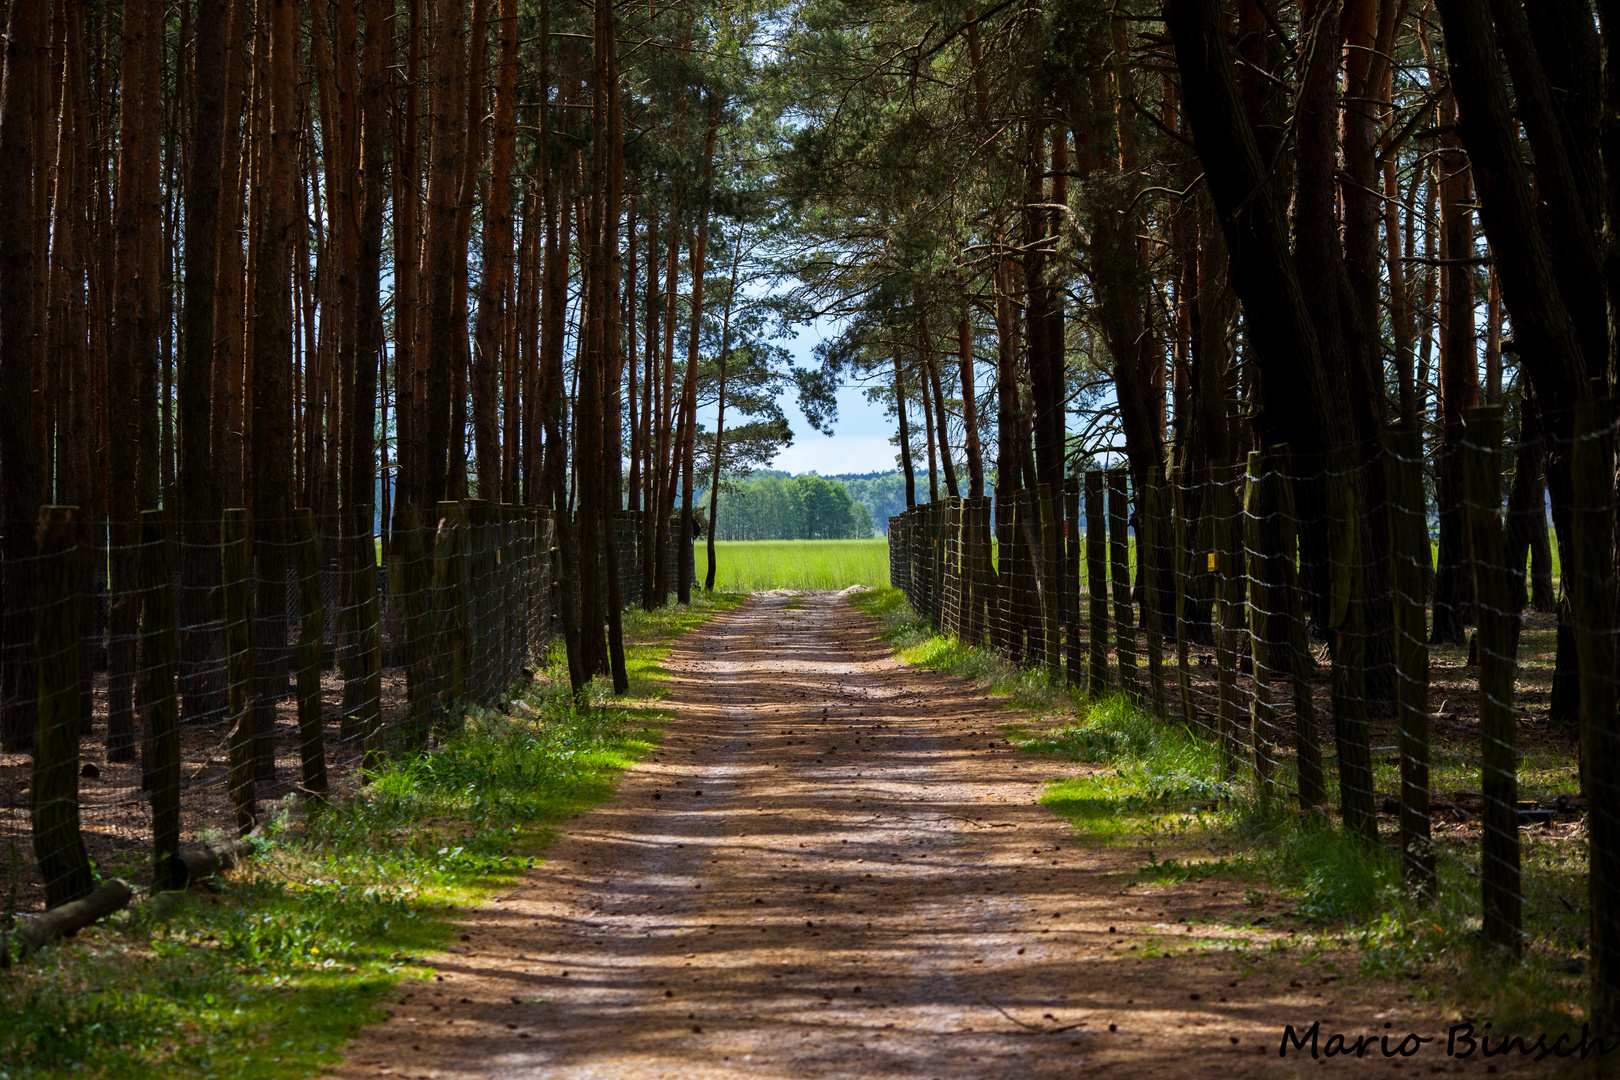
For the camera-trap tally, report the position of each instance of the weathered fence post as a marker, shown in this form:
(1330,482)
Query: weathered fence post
(158,657)
(984,568)
(1119,542)
(1223,564)
(1257,534)
(450,618)
(1181,554)
(236,556)
(1497,609)
(58,844)
(307,658)
(951,619)
(1049,583)
(1097,581)
(475,591)
(1409,555)
(1002,603)
(368,642)
(1013,557)
(1148,549)
(1076,660)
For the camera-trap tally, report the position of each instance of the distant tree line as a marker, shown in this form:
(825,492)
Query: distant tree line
(790,508)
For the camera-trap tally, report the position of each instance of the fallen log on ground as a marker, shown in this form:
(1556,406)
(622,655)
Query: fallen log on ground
(67,919)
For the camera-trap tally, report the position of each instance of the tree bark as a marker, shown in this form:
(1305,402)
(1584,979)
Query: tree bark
(272,402)
(970,415)
(700,243)
(905,433)
(201,649)
(1459,391)
(131,356)
(20,456)
(448,117)
(930,359)
(497,263)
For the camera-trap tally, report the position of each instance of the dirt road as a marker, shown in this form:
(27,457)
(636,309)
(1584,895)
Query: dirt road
(835,867)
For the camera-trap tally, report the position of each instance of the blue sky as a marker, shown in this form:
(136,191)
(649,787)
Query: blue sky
(860,439)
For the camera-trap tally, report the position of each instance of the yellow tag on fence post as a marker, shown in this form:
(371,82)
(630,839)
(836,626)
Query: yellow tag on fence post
(1212,566)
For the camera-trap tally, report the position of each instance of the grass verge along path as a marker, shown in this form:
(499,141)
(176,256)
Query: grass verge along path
(264,974)
(1148,784)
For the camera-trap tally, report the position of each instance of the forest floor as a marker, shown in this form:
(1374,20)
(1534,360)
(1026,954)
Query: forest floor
(836,865)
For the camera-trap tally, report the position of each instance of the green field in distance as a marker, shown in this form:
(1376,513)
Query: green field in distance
(750,565)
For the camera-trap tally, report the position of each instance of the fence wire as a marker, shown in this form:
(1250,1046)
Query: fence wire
(1356,650)
(169,683)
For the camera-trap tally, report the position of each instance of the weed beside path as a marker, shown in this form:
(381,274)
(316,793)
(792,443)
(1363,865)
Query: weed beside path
(264,974)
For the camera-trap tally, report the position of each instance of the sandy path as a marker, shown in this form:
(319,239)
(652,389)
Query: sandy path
(834,867)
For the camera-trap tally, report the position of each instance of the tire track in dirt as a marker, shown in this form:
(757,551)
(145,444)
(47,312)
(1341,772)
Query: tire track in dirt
(834,866)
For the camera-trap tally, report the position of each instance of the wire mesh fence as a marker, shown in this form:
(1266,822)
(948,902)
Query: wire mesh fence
(1352,655)
(174,682)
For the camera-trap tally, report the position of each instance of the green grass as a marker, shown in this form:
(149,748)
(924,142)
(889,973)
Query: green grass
(264,974)
(751,565)
(1153,785)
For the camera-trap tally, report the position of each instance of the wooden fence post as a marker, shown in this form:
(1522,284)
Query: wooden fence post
(1050,590)
(1030,567)
(1307,744)
(1223,556)
(1257,533)
(1119,543)
(1014,555)
(368,642)
(1076,659)
(1148,549)
(307,655)
(475,592)
(999,604)
(984,574)
(957,585)
(450,612)
(1409,555)
(544,587)
(236,555)
(158,657)
(58,844)
(1497,609)
(1181,555)
(1097,581)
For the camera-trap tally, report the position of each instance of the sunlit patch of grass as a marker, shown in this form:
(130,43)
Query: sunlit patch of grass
(753,565)
(265,973)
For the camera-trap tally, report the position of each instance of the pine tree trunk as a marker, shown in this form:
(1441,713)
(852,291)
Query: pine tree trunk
(699,249)
(272,402)
(20,462)
(444,191)
(202,650)
(1459,391)
(970,415)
